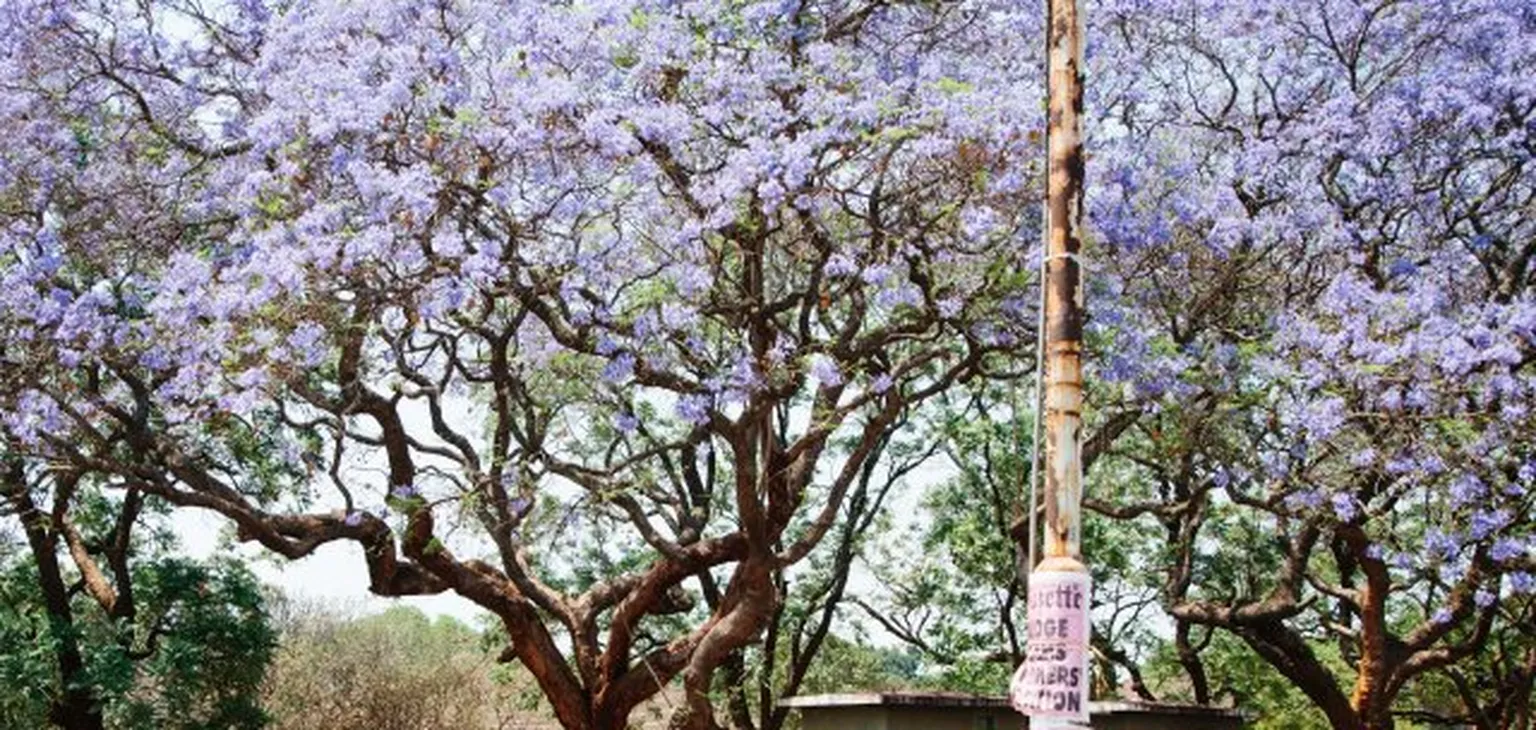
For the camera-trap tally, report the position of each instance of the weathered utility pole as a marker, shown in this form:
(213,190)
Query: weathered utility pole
(1052,684)
(1064,289)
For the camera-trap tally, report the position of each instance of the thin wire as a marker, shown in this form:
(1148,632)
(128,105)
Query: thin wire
(1034,439)
(1045,250)
(1026,477)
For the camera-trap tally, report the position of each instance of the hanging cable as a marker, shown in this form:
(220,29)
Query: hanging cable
(1034,435)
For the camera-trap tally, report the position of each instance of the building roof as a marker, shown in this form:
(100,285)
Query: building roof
(962,700)
(895,699)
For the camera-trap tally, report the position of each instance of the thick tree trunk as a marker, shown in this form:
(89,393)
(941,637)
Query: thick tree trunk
(1189,658)
(1372,699)
(1289,654)
(76,710)
(749,605)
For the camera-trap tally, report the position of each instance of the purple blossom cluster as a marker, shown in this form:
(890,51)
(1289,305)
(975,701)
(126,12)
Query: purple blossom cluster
(664,216)
(1304,290)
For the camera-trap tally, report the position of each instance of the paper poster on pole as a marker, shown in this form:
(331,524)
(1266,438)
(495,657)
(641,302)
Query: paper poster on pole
(1053,681)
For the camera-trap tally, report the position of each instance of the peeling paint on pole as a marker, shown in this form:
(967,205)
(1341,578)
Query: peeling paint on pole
(1060,590)
(1064,285)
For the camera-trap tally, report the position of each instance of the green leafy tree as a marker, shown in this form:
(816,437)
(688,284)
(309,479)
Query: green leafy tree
(1268,699)
(959,599)
(103,626)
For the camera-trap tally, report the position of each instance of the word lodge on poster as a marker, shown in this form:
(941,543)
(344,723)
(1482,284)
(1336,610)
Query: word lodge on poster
(1053,680)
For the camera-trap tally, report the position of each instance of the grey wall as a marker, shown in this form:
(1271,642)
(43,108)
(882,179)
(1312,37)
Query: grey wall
(844,718)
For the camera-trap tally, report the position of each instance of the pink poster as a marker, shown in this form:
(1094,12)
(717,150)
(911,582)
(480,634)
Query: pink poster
(1053,680)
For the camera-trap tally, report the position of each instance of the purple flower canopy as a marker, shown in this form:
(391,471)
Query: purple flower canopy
(666,218)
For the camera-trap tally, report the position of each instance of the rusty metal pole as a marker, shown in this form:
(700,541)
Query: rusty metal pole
(1064,287)
(1052,684)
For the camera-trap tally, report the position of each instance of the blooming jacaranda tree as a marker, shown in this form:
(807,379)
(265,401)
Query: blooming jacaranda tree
(579,311)
(1316,233)
(584,311)
(1310,367)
